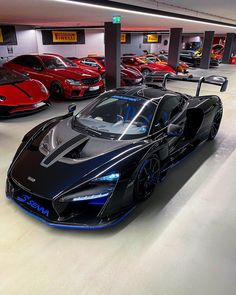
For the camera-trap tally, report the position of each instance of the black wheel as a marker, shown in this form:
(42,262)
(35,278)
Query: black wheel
(147,178)
(57,90)
(215,124)
(146,72)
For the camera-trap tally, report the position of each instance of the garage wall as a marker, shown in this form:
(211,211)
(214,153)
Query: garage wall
(26,43)
(94,39)
(136,46)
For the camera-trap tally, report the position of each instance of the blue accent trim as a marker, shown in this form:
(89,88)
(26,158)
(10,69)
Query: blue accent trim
(127,98)
(82,227)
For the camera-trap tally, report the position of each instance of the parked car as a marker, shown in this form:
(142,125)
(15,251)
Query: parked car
(218,50)
(96,63)
(129,76)
(20,95)
(163,59)
(61,76)
(89,170)
(193,59)
(145,66)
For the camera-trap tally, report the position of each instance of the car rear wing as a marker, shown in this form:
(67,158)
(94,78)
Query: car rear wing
(213,80)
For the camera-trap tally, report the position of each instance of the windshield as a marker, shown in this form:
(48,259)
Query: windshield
(163,57)
(118,117)
(68,62)
(8,76)
(101,60)
(143,60)
(54,62)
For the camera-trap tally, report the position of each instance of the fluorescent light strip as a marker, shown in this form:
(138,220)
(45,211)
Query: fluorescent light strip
(142,13)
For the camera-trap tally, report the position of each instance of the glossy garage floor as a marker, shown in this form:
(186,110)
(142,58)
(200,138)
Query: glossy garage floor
(182,241)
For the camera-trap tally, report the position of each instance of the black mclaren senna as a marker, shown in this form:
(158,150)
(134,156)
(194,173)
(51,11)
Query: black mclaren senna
(91,169)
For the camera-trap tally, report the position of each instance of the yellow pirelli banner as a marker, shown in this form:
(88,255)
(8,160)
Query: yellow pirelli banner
(123,38)
(152,38)
(1,36)
(64,37)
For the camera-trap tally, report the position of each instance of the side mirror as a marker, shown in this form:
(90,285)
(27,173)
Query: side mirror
(71,108)
(174,130)
(224,86)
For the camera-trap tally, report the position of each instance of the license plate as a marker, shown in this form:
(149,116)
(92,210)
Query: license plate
(93,88)
(39,104)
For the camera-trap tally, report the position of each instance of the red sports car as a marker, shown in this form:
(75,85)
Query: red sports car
(218,50)
(145,66)
(129,76)
(20,95)
(96,63)
(61,76)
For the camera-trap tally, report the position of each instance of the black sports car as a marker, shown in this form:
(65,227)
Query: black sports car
(191,58)
(89,170)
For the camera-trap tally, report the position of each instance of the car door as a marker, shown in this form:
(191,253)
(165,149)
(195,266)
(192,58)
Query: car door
(171,110)
(37,70)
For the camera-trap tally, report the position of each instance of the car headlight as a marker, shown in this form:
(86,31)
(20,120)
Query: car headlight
(73,82)
(2,98)
(43,89)
(99,188)
(108,178)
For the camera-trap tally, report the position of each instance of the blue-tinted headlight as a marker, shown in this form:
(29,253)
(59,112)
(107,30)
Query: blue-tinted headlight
(109,178)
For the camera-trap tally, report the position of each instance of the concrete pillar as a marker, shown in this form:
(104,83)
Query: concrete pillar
(206,50)
(228,50)
(174,47)
(112,54)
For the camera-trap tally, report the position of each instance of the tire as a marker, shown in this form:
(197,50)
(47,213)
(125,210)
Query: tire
(215,124)
(147,178)
(56,90)
(145,72)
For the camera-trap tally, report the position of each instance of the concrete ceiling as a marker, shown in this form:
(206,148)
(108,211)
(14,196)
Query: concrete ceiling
(216,10)
(65,13)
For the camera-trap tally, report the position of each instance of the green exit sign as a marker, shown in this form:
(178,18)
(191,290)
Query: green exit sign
(116,19)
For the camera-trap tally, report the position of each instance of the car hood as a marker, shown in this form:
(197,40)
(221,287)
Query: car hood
(128,73)
(160,67)
(73,73)
(49,159)
(24,93)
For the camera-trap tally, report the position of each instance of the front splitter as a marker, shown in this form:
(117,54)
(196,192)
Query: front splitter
(101,225)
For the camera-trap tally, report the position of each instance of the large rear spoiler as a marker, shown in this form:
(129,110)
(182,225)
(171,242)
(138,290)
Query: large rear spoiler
(213,80)
(164,77)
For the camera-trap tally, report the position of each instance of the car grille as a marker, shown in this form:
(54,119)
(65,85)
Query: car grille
(90,81)
(88,94)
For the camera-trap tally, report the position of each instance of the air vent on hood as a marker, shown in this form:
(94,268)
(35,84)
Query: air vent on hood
(75,153)
(64,149)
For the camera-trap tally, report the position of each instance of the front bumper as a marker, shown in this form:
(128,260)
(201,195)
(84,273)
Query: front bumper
(45,210)
(85,91)
(22,110)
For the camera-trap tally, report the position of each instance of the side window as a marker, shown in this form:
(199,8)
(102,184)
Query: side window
(28,61)
(20,60)
(34,63)
(170,106)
